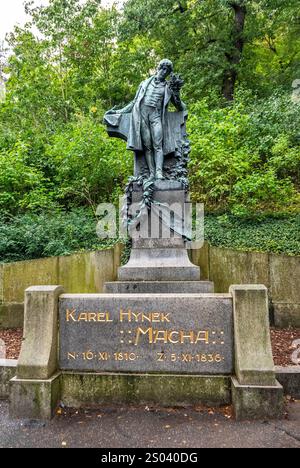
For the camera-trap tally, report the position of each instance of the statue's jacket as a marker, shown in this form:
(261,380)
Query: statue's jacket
(134,141)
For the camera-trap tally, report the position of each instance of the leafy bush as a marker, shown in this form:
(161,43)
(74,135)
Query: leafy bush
(90,166)
(246,157)
(267,234)
(35,236)
(21,185)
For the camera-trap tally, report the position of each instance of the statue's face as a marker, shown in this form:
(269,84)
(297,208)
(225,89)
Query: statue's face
(163,72)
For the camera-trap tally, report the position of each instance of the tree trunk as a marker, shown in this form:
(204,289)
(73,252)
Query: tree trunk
(235,55)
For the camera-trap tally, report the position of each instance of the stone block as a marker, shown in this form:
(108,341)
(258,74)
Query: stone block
(159,287)
(284,275)
(18,276)
(257,402)
(254,363)
(228,267)
(34,399)
(286,315)
(166,273)
(8,370)
(175,333)
(87,272)
(11,315)
(200,257)
(289,378)
(38,357)
(88,389)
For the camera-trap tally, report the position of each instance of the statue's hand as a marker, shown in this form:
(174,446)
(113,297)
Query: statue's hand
(112,111)
(176,83)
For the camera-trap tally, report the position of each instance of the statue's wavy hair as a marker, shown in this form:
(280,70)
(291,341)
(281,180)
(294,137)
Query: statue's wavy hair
(166,62)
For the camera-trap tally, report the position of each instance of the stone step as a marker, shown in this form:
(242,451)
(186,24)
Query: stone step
(157,287)
(85,389)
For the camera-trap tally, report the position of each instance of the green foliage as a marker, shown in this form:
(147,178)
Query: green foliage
(279,235)
(55,155)
(246,157)
(60,233)
(90,166)
(21,185)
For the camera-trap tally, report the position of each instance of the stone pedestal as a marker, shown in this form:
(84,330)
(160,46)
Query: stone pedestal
(34,399)
(159,287)
(159,250)
(257,401)
(35,391)
(256,394)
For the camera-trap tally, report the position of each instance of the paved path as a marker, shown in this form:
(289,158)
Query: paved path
(113,427)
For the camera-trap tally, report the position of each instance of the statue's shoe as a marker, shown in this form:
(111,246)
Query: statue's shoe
(159,175)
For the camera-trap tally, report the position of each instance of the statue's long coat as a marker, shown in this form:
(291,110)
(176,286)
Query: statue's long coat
(134,141)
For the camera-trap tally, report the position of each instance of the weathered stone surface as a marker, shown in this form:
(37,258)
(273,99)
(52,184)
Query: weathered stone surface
(257,402)
(228,267)
(88,389)
(286,315)
(8,369)
(284,275)
(34,399)
(186,333)
(171,273)
(11,315)
(289,378)
(18,276)
(87,272)
(200,257)
(254,363)
(158,287)
(38,357)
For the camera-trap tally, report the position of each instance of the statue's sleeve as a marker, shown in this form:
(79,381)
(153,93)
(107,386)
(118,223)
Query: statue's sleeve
(127,109)
(177,102)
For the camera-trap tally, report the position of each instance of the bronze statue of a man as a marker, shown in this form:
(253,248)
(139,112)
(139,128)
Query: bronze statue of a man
(150,130)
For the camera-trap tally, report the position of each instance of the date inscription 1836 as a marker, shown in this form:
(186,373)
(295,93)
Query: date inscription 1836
(104,333)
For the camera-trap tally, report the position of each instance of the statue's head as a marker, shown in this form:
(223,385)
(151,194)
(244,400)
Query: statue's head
(164,69)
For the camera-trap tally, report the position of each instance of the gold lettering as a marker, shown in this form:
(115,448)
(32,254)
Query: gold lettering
(200,337)
(165,317)
(124,315)
(92,317)
(170,337)
(101,317)
(147,317)
(70,315)
(71,355)
(156,317)
(83,316)
(140,332)
(136,316)
(189,335)
(163,338)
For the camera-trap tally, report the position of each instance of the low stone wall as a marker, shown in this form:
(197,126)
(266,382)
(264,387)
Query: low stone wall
(87,273)
(80,273)
(280,273)
(8,369)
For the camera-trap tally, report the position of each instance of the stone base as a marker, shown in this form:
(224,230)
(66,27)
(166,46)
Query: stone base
(257,402)
(286,315)
(8,369)
(164,273)
(159,287)
(34,399)
(289,378)
(82,389)
(11,315)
